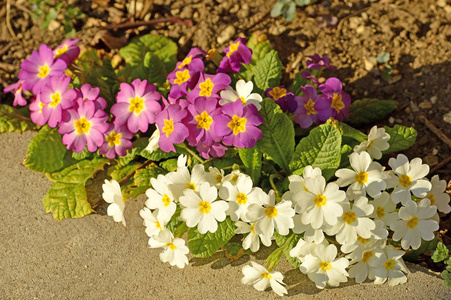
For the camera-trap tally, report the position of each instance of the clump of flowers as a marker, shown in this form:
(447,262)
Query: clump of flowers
(212,144)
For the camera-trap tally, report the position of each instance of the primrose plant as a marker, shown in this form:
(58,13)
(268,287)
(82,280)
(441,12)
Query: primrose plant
(221,149)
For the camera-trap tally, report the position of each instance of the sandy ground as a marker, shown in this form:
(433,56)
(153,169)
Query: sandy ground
(96,258)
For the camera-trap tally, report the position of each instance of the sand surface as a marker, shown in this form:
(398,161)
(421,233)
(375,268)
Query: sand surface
(96,258)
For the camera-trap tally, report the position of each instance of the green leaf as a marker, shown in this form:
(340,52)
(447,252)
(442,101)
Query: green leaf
(82,155)
(52,14)
(205,245)
(321,148)
(413,255)
(118,172)
(142,176)
(151,68)
(282,239)
(252,159)
(345,151)
(268,71)
(298,82)
(277,134)
(447,276)
(370,110)
(164,48)
(175,221)
(441,253)
(46,153)
(67,197)
(99,73)
(383,57)
(11,120)
(138,146)
(170,164)
(401,138)
(348,131)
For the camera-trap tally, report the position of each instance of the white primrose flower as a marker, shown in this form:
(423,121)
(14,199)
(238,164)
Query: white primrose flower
(240,196)
(303,248)
(175,250)
(408,177)
(366,177)
(181,161)
(320,203)
(215,177)
(243,92)
(384,209)
(261,279)
(376,143)
(152,221)
(297,182)
(252,240)
(322,266)
(203,210)
(269,215)
(380,232)
(354,222)
(379,235)
(233,177)
(391,267)
(310,235)
(364,259)
(415,224)
(182,179)
(153,141)
(437,195)
(160,197)
(112,194)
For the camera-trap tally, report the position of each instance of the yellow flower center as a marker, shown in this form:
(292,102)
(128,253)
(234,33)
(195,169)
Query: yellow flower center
(56,98)
(113,139)
(237,124)
(362,240)
(349,217)
(171,246)
(266,275)
(241,198)
(320,200)
(136,105)
(337,102)
(277,93)
(233,48)
(61,51)
(325,266)
(158,225)
(204,120)
(412,223)
(210,54)
(41,105)
(219,178)
(182,77)
(191,185)
(271,212)
(166,200)
(405,181)
(253,228)
(168,127)
(185,62)
(234,178)
(390,264)
(82,126)
(206,88)
(361,177)
(380,211)
(431,198)
(204,207)
(242,100)
(44,71)
(310,107)
(366,255)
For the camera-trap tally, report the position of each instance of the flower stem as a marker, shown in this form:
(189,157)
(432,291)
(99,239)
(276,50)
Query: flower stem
(202,161)
(271,181)
(274,258)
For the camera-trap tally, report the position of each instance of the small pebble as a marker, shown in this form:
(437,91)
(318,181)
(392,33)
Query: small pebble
(433,99)
(391,120)
(431,160)
(447,117)
(226,34)
(425,105)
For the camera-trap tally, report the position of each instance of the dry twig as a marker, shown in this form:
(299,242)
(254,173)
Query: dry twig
(436,131)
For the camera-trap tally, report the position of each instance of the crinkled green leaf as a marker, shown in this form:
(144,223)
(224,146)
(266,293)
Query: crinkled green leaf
(401,138)
(252,159)
(321,148)
(348,131)
(46,153)
(267,71)
(142,176)
(282,239)
(447,276)
(298,82)
(11,120)
(346,150)
(117,172)
(278,134)
(205,245)
(67,197)
(138,146)
(159,154)
(441,253)
(151,68)
(170,164)
(99,73)
(370,110)
(82,155)
(161,46)
(175,222)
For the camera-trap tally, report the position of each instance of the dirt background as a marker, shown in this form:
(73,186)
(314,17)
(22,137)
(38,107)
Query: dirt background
(416,34)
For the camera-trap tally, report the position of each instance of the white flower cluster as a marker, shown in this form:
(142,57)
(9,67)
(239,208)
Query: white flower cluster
(371,201)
